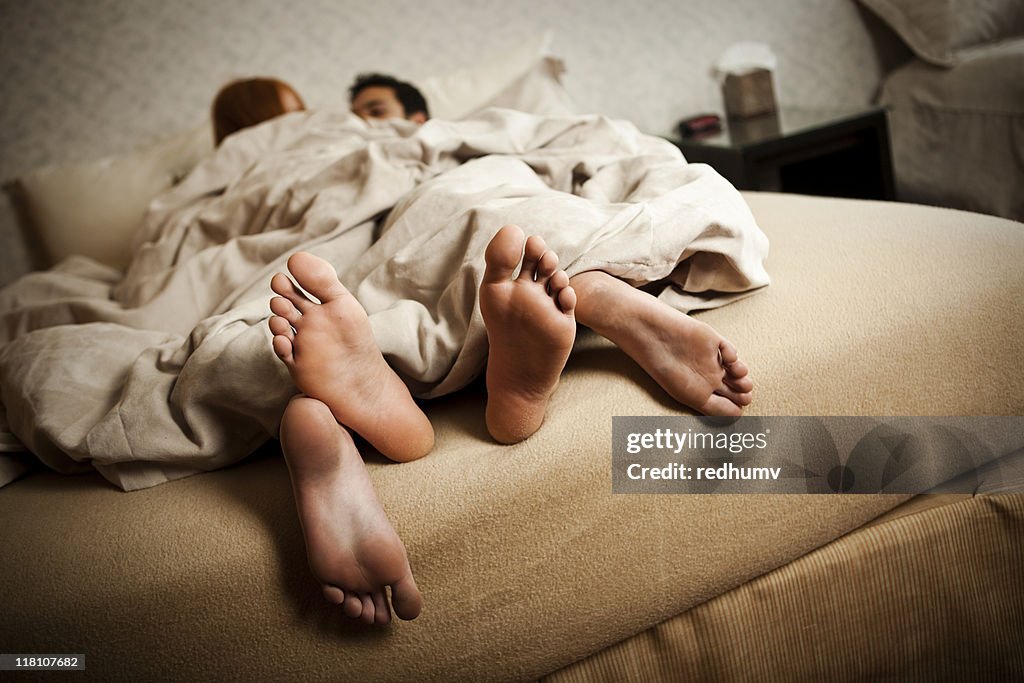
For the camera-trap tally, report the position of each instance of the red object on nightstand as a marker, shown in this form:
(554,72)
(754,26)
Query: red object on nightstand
(702,124)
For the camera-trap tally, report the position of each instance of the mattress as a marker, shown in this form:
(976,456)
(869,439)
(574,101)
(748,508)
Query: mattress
(527,561)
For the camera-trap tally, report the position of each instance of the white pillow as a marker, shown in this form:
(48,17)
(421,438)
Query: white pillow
(93,208)
(937,30)
(527,79)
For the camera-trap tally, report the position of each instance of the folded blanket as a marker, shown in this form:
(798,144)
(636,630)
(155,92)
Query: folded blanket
(169,370)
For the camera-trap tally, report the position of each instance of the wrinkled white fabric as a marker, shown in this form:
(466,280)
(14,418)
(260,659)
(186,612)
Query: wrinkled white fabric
(168,369)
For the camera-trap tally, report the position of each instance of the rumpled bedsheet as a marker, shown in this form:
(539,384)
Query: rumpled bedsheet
(167,369)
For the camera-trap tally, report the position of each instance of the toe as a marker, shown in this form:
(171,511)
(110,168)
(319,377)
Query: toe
(737,369)
(740,398)
(532,254)
(720,405)
(316,276)
(283,286)
(368,608)
(280,326)
(406,598)
(743,385)
(283,348)
(546,267)
(333,594)
(503,253)
(353,606)
(561,292)
(567,300)
(284,308)
(381,611)
(728,353)
(559,280)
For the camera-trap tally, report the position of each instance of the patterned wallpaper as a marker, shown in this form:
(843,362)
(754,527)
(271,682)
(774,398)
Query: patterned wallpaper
(89,78)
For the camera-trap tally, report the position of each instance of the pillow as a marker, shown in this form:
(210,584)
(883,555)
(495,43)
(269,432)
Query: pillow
(527,79)
(93,208)
(937,29)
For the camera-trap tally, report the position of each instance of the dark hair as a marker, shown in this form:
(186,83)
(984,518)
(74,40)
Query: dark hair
(249,101)
(408,94)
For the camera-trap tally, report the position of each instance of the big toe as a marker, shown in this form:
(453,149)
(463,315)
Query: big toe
(406,598)
(503,253)
(316,276)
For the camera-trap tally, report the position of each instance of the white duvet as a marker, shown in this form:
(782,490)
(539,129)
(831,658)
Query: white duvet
(167,369)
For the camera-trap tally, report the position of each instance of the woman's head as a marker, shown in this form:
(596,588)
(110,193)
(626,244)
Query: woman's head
(249,101)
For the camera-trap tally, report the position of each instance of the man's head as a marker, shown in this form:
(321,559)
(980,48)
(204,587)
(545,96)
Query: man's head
(376,96)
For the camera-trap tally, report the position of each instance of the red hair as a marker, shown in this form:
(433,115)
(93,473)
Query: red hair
(249,101)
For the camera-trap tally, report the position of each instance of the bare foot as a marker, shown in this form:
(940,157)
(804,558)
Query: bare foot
(353,550)
(688,358)
(332,356)
(530,330)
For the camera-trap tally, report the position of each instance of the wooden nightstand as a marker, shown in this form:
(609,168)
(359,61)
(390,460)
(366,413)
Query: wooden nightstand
(839,153)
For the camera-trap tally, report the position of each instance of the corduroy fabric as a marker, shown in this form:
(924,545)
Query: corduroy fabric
(930,596)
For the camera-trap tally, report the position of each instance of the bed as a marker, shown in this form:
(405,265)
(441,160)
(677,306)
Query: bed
(531,567)
(529,564)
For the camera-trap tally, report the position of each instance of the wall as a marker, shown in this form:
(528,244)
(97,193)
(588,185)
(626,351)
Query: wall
(89,78)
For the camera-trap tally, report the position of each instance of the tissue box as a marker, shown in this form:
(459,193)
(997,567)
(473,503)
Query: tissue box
(749,94)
